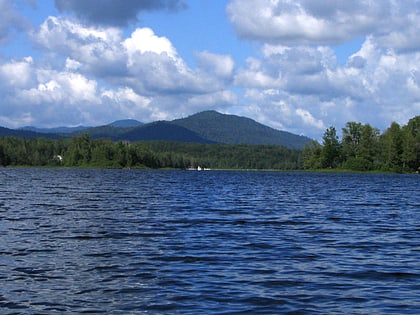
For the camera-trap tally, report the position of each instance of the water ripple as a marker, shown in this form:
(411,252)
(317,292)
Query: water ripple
(172,242)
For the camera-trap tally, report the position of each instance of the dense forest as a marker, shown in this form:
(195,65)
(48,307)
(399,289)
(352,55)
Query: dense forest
(361,148)
(82,151)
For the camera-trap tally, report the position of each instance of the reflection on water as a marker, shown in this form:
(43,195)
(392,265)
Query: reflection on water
(177,242)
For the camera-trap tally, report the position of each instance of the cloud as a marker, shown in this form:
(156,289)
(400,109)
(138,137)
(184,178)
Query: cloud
(308,119)
(54,97)
(221,65)
(222,99)
(95,74)
(17,73)
(403,37)
(10,21)
(115,12)
(96,50)
(296,83)
(304,88)
(325,22)
(144,61)
(144,40)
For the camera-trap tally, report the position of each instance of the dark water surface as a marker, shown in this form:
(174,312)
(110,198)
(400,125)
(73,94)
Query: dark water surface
(179,242)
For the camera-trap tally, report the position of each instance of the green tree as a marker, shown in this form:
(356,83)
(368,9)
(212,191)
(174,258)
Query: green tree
(392,148)
(102,153)
(352,135)
(366,150)
(411,144)
(121,153)
(4,159)
(369,143)
(79,151)
(311,156)
(331,149)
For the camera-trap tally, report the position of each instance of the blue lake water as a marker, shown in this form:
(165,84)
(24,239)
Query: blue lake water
(177,242)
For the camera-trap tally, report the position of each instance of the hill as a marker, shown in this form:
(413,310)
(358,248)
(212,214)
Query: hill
(232,129)
(111,131)
(106,132)
(204,127)
(126,123)
(57,130)
(26,134)
(162,131)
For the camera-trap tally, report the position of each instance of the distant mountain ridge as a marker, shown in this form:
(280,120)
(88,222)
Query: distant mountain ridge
(126,123)
(232,129)
(163,130)
(204,127)
(27,134)
(60,130)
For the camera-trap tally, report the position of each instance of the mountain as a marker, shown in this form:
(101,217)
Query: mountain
(162,131)
(110,131)
(60,130)
(232,129)
(126,123)
(106,132)
(204,127)
(26,134)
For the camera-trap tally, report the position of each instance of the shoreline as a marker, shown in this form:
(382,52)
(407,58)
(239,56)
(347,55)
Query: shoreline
(327,171)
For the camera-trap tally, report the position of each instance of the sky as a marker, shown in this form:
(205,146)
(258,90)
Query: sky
(299,66)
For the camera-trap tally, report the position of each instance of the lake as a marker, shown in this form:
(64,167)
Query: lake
(77,241)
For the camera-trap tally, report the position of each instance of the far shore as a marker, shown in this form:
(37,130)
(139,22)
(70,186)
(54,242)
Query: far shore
(315,171)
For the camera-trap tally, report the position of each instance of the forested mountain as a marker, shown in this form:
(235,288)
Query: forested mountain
(126,123)
(231,129)
(56,130)
(162,131)
(112,131)
(102,132)
(204,127)
(26,134)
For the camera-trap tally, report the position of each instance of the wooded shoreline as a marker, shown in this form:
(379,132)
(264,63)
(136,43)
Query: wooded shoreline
(361,149)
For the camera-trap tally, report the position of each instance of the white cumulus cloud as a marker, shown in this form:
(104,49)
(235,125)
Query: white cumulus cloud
(95,74)
(325,22)
(221,65)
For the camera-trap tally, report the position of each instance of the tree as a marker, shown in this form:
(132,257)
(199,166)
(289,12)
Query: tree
(392,147)
(366,151)
(411,144)
(311,156)
(79,152)
(331,149)
(352,135)
(102,153)
(4,159)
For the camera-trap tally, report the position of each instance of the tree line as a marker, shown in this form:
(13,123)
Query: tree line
(82,151)
(363,148)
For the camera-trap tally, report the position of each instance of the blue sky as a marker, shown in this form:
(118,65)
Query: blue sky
(299,66)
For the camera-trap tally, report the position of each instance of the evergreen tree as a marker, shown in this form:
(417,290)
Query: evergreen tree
(311,156)
(411,144)
(4,161)
(79,152)
(392,148)
(331,149)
